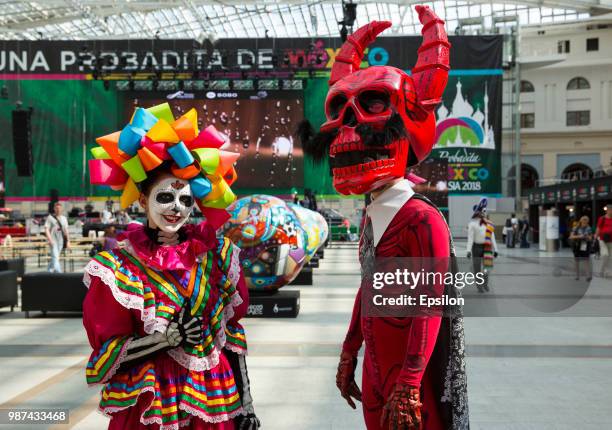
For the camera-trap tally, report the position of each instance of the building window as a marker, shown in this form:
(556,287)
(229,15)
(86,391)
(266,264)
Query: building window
(529,179)
(527,120)
(527,87)
(577,171)
(563,46)
(578,83)
(578,117)
(593,44)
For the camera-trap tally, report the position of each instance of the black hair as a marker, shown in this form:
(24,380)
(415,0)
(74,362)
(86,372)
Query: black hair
(153,175)
(315,144)
(393,130)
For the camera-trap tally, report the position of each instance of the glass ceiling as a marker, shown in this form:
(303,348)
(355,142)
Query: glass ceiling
(192,19)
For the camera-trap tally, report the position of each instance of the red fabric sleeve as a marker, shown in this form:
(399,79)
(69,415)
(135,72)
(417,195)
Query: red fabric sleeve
(103,317)
(235,335)
(241,310)
(422,339)
(354,336)
(110,329)
(428,238)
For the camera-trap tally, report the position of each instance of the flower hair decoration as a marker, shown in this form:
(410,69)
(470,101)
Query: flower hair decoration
(153,136)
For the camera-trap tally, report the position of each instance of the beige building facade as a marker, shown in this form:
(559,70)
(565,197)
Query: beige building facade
(565,102)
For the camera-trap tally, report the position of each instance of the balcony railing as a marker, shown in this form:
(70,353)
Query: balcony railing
(576,176)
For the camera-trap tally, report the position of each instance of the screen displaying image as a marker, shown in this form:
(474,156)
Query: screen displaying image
(435,187)
(260,129)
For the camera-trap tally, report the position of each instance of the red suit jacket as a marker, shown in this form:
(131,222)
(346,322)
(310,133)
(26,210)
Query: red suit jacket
(398,349)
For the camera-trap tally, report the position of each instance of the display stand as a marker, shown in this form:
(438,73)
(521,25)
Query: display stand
(304,277)
(314,262)
(274,304)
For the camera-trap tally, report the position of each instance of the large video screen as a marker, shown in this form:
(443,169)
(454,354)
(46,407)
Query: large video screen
(261,129)
(435,188)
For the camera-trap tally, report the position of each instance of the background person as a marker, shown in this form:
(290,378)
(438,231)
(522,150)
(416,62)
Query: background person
(56,231)
(513,231)
(123,217)
(505,230)
(294,196)
(107,216)
(581,237)
(604,234)
(565,231)
(524,229)
(509,232)
(110,238)
(481,244)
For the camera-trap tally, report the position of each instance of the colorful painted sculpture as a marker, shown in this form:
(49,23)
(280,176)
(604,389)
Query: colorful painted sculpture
(277,239)
(315,227)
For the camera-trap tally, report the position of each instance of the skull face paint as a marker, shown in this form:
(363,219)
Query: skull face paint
(169,204)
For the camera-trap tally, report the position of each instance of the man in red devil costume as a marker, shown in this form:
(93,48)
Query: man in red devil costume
(380,121)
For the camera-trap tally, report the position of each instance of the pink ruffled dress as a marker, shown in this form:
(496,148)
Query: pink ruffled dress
(135,290)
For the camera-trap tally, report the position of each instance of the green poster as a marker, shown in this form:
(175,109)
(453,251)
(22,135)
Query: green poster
(468,133)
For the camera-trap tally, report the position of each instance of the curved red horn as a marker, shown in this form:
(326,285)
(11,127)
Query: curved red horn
(349,58)
(430,73)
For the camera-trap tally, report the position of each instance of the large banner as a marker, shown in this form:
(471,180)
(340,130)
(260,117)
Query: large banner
(2,186)
(71,114)
(234,58)
(468,133)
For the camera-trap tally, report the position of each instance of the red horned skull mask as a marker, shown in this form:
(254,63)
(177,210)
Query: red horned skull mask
(381,118)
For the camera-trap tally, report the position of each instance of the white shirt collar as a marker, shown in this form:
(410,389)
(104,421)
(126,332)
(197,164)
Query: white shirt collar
(383,209)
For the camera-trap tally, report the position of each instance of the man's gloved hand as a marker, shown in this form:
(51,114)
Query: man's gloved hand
(403,409)
(345,379)
(247,422)
(469,254)
(495,254)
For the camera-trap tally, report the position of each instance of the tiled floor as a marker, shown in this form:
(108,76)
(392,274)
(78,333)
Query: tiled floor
(524,372)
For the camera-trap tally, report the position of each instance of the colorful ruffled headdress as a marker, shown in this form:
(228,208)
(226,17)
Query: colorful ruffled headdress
(153,136)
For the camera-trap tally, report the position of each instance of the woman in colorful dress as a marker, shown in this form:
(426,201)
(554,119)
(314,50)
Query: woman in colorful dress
(163,307)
